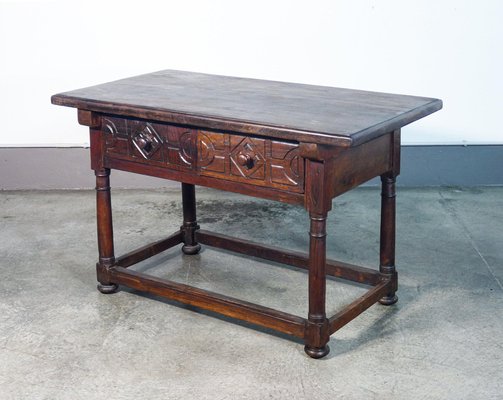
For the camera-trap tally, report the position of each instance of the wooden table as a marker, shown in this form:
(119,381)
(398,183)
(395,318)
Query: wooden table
(293,143)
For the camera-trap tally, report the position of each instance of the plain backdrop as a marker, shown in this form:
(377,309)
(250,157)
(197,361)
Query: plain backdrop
(450,49)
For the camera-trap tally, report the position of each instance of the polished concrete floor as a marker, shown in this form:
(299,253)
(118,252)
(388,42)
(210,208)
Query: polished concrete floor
(61,339)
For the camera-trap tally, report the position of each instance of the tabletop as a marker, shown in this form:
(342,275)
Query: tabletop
(291,111)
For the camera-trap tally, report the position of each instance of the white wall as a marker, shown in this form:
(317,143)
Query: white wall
(450,49)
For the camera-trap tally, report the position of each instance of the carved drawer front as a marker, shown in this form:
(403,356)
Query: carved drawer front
(256,161)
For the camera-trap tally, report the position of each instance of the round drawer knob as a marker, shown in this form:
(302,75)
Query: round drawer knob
(245,160)
(144,143)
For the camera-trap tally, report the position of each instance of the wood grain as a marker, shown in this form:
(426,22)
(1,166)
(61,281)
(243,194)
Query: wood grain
(299,112)
(208,153)
(337,269)
(294,143)
(207,300)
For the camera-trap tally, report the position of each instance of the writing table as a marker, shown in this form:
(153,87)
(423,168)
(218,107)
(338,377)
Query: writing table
(294,143)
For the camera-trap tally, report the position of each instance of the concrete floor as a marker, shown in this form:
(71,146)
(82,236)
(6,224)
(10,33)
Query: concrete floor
(61,339)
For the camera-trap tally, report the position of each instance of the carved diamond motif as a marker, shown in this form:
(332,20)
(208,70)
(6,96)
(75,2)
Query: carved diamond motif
(147,141)
(247,158)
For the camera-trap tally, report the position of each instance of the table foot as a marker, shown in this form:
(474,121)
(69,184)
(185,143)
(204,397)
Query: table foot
(317,352)
(191,249)
(388,300)
(107,289)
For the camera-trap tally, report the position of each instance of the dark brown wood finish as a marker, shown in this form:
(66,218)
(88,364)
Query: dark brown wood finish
(105,231)
(318,203)
(388,211)
(298,144)
(249,189)
(257,161)
(190,226)
(149,250)
(297,112)
(225,305)
(358,306)
(337,269)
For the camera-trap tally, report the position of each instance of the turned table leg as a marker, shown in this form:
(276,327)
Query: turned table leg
(317,326)
(105,231)
(387,248)
(190,225)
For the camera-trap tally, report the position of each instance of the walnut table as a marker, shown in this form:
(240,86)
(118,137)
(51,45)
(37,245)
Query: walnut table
(293,143)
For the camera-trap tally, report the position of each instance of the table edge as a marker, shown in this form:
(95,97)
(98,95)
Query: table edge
(250,127)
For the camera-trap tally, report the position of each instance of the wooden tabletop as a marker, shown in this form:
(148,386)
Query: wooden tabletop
(291,111)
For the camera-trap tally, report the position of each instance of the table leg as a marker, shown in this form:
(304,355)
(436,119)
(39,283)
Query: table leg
(105,231)
(317,335)
(190,225)
(387,249)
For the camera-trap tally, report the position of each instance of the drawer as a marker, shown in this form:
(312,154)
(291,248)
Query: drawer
(246,159)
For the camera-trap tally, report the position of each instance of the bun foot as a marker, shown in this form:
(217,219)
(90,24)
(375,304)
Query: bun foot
(190,250)
(388,300)
(107,289)
(317,352)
